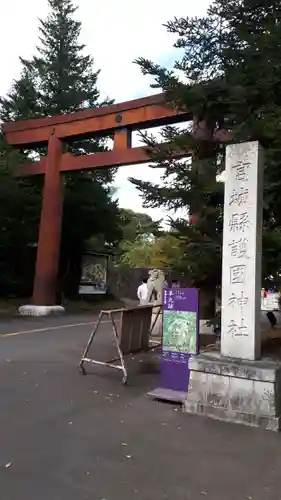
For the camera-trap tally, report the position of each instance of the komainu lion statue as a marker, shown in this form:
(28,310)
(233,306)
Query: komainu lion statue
(155,284)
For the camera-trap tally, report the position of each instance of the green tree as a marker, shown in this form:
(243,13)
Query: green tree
(144,244)
(22,100)
(60,78)
(19,215)
(148,251)
(136,253)
(136,224)
(228,77)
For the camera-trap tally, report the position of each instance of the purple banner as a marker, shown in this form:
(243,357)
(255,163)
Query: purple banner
(180,336)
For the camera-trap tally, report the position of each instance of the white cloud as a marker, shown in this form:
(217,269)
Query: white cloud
(120,31)
(116,33)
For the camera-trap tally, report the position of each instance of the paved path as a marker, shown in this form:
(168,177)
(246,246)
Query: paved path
(68,437)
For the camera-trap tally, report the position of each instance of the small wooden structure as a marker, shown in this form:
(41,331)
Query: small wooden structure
(132,335)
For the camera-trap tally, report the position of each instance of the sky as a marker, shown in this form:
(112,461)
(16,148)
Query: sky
(115,33)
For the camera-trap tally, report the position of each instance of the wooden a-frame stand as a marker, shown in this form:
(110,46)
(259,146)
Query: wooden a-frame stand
(132,336)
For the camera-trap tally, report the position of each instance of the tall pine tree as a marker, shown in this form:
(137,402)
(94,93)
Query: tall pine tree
(61,78)
(19,215)
(228,77)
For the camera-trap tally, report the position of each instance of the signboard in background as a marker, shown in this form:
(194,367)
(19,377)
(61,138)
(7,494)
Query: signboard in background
(180,342)
(270,300)
(94,275)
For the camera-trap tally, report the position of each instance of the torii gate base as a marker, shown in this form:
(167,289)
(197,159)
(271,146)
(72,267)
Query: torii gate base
(119,121)
(33,310)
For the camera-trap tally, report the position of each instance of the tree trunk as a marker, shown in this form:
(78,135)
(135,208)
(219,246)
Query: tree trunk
(207,303)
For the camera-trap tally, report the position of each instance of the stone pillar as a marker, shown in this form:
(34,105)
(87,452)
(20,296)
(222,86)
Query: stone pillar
(242,250)
(235,385)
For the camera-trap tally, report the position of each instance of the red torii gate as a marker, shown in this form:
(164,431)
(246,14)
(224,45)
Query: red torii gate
(119,120)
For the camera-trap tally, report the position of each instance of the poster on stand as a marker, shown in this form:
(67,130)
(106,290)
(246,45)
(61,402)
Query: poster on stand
(180,342)
(93,275)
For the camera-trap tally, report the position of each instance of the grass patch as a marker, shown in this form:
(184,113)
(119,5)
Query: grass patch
(82,306)
(9,307)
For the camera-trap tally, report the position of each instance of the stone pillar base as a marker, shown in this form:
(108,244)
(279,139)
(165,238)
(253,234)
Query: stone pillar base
(31,310)
(246,392)
(204,327)
(158,325)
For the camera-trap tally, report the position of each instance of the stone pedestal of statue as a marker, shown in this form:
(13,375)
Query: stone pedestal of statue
(155,285)
(157,321)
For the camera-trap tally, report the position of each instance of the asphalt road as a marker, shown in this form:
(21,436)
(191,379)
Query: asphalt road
(68,437)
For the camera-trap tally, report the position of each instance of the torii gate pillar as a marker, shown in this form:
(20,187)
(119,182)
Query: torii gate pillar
(47,261)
